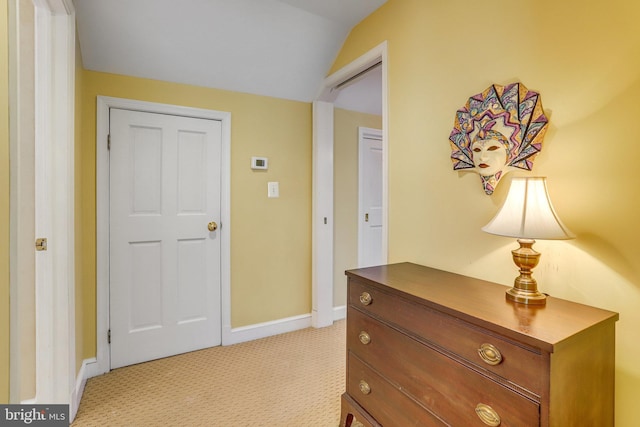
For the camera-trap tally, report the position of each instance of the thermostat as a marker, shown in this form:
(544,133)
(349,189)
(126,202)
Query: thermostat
(259,163)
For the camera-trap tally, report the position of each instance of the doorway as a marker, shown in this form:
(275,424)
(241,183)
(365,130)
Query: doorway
(104,105)
(327,302)
(164,269)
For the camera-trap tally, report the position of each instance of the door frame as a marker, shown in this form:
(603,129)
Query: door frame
(53,120)
(363,133)
(322,210)
(53,171)
(104,103)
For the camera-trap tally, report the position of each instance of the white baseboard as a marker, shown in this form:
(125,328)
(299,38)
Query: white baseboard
(93,367)
(76,394)
(275,327)
(266,329)
(81,381)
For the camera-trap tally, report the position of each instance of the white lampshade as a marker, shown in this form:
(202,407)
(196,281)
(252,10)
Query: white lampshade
(527,213)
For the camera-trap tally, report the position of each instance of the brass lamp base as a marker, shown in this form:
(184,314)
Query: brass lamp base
(525,287)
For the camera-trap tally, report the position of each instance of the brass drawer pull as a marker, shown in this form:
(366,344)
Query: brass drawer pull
(365,338)
(487,415)
(490,354)
(365,298)
(364,387)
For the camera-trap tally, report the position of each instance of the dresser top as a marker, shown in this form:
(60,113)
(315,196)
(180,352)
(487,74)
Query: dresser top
(483,303)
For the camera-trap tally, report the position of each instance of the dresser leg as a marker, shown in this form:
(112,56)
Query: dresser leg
(348,420)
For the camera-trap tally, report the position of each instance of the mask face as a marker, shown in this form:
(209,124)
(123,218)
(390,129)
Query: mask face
(498,131)
(489,156)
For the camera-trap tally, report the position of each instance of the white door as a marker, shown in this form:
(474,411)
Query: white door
(370,251)
(164,261)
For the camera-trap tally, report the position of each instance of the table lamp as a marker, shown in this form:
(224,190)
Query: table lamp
(527,214)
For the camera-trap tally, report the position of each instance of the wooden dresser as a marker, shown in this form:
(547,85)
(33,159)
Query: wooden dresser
(430,348)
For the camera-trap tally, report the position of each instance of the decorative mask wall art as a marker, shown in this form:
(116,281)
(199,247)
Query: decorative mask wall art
(497,131)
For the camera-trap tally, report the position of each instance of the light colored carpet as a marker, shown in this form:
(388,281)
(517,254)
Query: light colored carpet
(293,379)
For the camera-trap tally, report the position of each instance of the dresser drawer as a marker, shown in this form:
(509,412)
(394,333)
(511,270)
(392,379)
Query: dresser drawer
(448,388)
(522,366)
(383,401)
(426,338)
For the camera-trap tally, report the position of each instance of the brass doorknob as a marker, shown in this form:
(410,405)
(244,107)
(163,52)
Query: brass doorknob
(212,226)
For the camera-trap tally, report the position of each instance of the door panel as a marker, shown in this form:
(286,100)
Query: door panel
(145,286)
(191,172)
(192,278)
(146,170)
(164,262)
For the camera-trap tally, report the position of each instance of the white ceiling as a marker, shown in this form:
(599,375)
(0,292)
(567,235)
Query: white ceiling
(278,48)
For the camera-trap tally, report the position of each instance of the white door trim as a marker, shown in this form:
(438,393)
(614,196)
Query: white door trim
(103,362)
(363,133)
(322,217)
(22,191)
(54,73)
(54,148)
(322,260)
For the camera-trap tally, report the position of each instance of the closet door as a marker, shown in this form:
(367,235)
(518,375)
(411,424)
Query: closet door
(164,241)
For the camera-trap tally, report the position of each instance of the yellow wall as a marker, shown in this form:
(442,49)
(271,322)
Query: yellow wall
(584,59)
(345,195)
(4,205)
(271,238)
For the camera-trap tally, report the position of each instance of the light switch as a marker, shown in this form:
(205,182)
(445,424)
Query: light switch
(273,189)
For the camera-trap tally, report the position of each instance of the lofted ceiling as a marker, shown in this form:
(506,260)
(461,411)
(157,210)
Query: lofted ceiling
(277,48)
